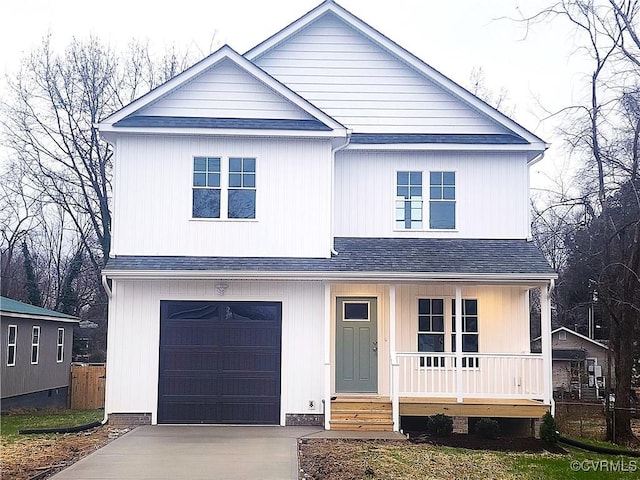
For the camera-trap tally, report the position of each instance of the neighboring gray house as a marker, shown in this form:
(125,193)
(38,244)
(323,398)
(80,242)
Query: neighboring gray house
(579,364)
(36,355)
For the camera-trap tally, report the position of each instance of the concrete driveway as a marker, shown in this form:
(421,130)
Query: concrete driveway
(194,453)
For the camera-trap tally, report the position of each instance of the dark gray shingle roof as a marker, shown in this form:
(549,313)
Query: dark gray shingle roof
(237,123)
(378,255)
(466,139)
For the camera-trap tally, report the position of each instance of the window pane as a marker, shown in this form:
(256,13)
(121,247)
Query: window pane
(415,178)
(199,164)
(403,178)
(424,306)
(206,203)
(448,178)
(242,204)
(356,311)
(34,354)
(199,179)
(235,165)
(249,180)
(470,307)
(424,324)
(437,323)
(449,193)
(416,212)
(12,334)
(471,324)
(435,193)
(214,164)
(430,342)
(235,180)
(60,336)
(470,343)
(442,215)
(435,178)
(249,165)
(213,180)
(400,215)
(438,306)
(416,192)
(11,355)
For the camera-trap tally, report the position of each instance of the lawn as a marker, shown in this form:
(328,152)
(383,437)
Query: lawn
(11,424)
(352,459)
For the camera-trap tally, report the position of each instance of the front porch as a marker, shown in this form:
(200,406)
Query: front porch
(499,379)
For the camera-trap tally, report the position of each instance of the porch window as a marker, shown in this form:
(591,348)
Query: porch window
(409,200)
(469,330)
(431,330)
(12,336)
(442,200)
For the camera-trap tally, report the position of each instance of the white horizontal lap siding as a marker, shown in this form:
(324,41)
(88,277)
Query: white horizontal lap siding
(489,193)
(225,91)
(364,87)
(154,198)
(134,336)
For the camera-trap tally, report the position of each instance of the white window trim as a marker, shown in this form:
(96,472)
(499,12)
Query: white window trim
(224,189)
(455,202)
(35,328)
(396,199)
(60,346)
(14,344)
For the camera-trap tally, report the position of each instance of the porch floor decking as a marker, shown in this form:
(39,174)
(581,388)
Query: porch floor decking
(473,407)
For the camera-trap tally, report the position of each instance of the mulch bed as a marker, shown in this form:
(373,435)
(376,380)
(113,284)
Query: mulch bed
(476,442)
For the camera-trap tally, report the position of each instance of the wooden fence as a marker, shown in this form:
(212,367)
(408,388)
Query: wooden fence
(87,386)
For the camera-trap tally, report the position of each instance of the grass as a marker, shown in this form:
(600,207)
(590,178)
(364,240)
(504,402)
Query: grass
(11,424)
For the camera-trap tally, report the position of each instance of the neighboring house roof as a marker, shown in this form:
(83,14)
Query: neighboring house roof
(573,332)
(372,258)
(14,308)
(568,354)
(329,7)
(126,120)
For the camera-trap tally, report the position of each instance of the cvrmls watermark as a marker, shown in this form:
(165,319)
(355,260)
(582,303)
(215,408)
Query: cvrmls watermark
(619,465)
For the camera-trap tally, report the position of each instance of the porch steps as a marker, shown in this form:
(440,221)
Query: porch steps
(361,414)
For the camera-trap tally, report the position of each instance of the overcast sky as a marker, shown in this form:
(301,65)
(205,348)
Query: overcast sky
(453,36)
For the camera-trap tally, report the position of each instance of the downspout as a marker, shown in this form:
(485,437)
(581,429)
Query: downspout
(332,189)
(533,161)
(107,288)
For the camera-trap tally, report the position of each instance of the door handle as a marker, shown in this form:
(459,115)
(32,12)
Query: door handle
(374,346)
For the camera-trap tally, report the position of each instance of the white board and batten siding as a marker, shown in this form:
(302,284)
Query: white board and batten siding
(153,198)
(365,87)
(225,91)
(491,193)
(132,376)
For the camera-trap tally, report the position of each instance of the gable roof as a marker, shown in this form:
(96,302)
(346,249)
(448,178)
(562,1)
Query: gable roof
(14,308)
(573,332)
(330,7)
(364,258)
(132,118)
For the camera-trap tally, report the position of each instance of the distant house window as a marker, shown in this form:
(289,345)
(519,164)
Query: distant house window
(35,345)
(409,200)
(442,200)
(431,330)
(242,187)
(469,330)
(562,335)
(60,346)
(12,336)
(206,187)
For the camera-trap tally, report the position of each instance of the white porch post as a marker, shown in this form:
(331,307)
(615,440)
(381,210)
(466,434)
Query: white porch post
(545,340)
(458,321)
(327,355)
(395,366)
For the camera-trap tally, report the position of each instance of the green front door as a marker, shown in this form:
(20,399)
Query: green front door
(356,345)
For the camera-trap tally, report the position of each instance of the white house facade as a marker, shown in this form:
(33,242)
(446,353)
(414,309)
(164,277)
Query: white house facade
(300,232)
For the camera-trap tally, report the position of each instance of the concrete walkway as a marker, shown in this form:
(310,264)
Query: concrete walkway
(194,453)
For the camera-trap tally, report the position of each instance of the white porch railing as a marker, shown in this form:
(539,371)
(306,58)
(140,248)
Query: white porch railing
(484,375)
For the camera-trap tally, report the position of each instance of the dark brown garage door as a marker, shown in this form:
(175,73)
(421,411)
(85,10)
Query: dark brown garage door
(219,362)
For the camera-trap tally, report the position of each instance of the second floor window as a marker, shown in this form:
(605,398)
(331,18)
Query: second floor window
(409,200)
(442,200)
(224,188)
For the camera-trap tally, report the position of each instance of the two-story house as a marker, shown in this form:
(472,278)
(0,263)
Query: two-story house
(322,230)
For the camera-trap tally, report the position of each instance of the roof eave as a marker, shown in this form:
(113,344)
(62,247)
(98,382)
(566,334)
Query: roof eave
(534,149)
(108,129)
(5,313)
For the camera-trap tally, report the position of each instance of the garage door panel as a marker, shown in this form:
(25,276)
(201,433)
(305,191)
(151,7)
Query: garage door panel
(220,362)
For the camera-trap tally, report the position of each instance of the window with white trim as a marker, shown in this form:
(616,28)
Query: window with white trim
(431,330)
(224,188)
(60,346)
(35,345)
(409,201)
(470,336)
(442,200)
(12,340)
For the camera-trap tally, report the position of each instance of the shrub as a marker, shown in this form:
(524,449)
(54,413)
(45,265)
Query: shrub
(549,429)
(440,425)
(488,428)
